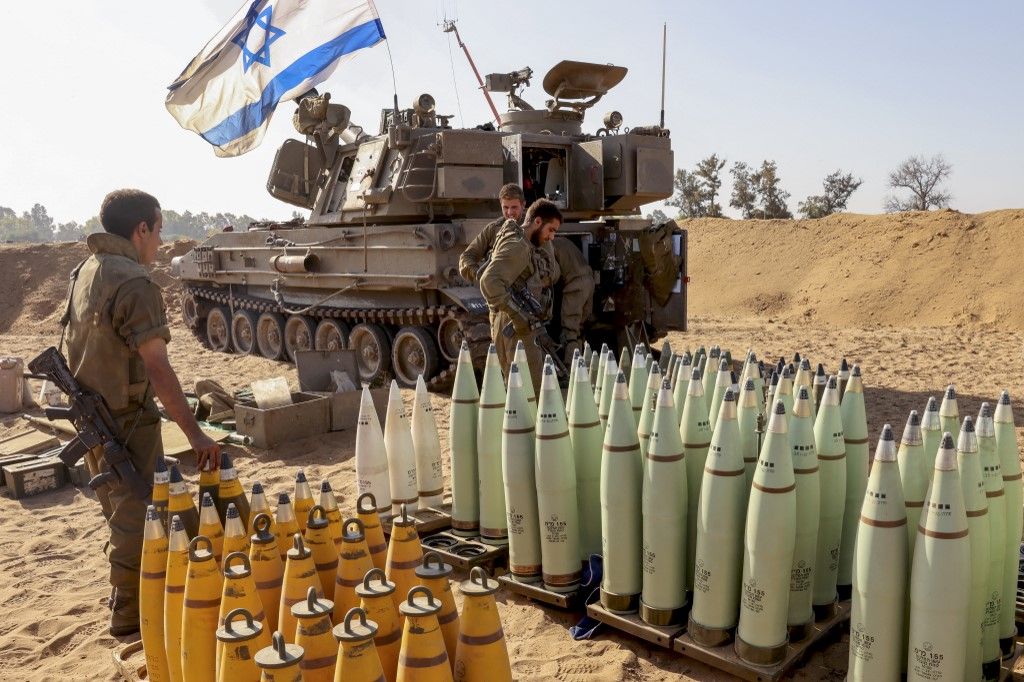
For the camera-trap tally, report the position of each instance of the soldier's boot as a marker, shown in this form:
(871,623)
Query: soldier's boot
(124,613)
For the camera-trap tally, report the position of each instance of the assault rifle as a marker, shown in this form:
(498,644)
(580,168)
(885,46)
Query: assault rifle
(532,308)
(95,424)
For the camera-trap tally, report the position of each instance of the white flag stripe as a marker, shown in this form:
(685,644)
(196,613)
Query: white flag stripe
(271,51)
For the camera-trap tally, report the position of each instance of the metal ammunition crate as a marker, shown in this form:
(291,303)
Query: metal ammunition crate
(79,474)
(34,477)
(10,460)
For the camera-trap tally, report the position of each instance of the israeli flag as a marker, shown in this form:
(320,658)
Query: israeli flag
(271,50)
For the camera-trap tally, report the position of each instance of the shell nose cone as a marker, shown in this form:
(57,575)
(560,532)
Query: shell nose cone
(968,425)
(1004,398)
(947,441)
(933,405)
(887,433)
(914,419)
(950,392)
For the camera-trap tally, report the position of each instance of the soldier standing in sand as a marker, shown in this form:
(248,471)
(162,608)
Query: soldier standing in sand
(117,333)
(575,279)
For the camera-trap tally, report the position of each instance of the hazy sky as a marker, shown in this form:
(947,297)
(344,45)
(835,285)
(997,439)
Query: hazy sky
(814,85)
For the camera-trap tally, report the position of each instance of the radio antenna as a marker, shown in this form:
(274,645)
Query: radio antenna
(449,27)
(664,42)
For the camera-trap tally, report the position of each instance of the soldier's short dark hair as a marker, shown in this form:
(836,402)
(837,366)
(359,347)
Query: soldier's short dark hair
(543,209)
(123,209)
(511,191)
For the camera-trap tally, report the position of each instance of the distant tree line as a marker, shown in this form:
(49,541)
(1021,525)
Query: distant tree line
(757,191)
(36,225)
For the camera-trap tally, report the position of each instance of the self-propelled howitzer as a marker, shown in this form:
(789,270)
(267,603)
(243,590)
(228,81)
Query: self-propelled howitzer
(374,267)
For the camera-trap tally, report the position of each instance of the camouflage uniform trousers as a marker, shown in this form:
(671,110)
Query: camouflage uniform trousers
(124,513)
(506,348)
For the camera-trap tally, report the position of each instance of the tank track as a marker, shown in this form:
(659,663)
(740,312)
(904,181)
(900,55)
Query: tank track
(397,317)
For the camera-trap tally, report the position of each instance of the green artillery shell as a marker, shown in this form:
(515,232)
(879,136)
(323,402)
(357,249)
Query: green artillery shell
(805,377)
(462,446)
(643,431)
(949,413)
(931,431)
(723,382)
(695,431)
(491,413)
(784,390)
(769,542)
(624,364)
(820,381)
(914,476)
(681,384)
(665,356)
(401,454)
(1009,461)
(664,518)
(855,431)
(611,371)
(972,481)
(808,506)
(844,378)
(524,368)
(427,446)
(517,440)
(720,520)
(573,367)
(596,367)
(828,439)
(556,490)
(994,492)
(621,489)
(371,457)
(710,370)
(587,437)
(880,573)
(940,579)
(638,382)
(746,415)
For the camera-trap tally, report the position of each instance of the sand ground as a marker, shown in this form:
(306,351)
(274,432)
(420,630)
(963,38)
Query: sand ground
(53,575)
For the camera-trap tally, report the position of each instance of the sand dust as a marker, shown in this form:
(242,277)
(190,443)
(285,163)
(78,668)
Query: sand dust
(920,300)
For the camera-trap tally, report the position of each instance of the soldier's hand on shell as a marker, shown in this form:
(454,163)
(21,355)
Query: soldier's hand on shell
(207,451)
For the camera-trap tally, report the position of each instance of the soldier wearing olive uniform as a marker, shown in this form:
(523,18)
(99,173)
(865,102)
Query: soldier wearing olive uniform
(575,282)
(522,256)
(117,333)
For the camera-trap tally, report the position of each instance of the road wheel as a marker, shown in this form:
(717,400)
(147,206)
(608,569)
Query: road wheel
(270,335)
(331,335)
(449,338)
(299,332)
(243,332)
(189,310)
(373,350)
(218,333)
(414,353)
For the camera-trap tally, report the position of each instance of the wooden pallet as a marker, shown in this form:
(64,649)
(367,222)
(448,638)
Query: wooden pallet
(465,553)
(537,592)
(428,520)
(631,624)
(722,657)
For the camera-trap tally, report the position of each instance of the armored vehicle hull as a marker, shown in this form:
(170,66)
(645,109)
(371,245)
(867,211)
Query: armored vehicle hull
(375,266)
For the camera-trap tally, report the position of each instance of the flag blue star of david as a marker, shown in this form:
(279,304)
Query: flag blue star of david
(271,33)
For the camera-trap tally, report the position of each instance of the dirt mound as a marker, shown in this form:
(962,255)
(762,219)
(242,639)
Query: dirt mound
(34,282)
(916,269)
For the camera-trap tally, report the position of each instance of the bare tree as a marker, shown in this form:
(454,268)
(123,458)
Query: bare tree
(923,177)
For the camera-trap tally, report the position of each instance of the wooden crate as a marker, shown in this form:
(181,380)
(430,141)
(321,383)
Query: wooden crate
(465,553)
(537,592)
(28,442)
(35,476)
